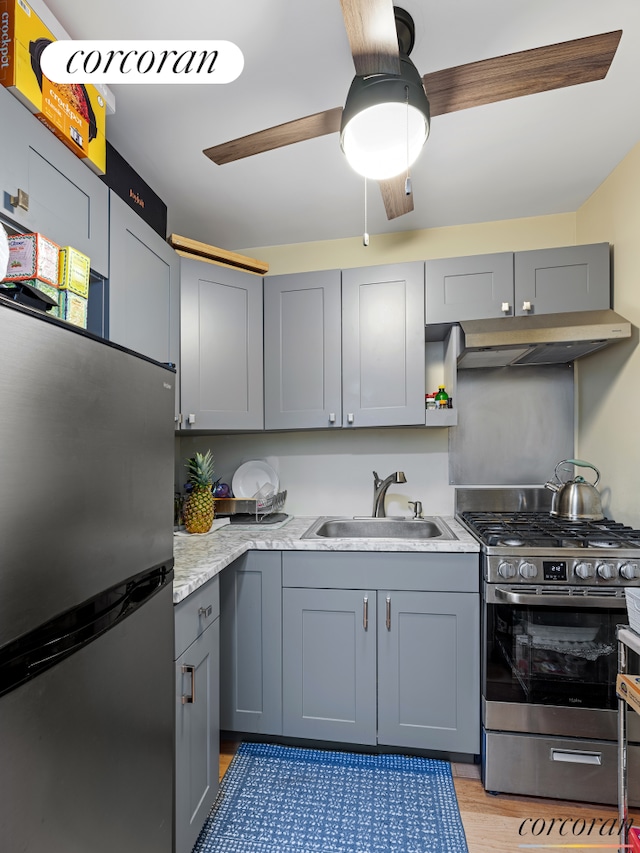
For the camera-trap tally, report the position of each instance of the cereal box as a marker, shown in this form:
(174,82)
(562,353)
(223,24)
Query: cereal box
(33,256)
(74,271)
(74,112)
(72,307)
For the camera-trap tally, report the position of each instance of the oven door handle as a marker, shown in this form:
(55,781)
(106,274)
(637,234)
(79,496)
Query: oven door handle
(574,601)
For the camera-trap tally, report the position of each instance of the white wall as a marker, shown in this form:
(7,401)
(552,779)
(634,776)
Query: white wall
(330,472)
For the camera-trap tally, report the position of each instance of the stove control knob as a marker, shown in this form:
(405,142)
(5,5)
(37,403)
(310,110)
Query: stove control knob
(506,570)
(584,570)
(528,570)
(630,571)
(606,571)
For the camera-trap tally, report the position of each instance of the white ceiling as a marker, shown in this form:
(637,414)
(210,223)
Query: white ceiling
(536,155)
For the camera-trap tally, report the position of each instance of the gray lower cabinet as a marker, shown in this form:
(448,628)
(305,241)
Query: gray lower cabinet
(382,648)
(428,677)
(251,644)
(302,351)
(383,352)
(221,348)
(67,202)
(197,628)
(329,664)
(541,281)
(142,299)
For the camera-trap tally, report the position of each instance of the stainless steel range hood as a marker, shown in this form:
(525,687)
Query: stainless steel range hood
(540,339)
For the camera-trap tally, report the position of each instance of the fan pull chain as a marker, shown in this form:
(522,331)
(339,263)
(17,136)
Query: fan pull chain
(407,180)
(365,236)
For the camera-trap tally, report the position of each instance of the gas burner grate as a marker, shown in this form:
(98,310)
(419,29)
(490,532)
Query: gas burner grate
(539,529)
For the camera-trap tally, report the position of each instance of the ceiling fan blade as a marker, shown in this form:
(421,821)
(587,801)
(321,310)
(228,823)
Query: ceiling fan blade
(396,201)
(371,28)
(298,130)
(541,69)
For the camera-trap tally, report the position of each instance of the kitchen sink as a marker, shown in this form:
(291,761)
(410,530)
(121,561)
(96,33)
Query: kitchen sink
(378,528)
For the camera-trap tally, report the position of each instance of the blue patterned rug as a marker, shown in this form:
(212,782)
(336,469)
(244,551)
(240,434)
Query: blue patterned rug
(279,799)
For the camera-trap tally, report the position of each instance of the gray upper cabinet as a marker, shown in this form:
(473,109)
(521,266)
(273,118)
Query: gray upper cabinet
(383,367)
(67,202)
(302,351)
(469,288)
(221,348)
(143,303)
(542,281)
(571,278)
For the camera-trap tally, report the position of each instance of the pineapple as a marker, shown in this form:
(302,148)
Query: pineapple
(199,506)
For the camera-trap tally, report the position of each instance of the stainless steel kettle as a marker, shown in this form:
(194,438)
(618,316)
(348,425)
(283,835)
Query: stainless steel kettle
(576,500)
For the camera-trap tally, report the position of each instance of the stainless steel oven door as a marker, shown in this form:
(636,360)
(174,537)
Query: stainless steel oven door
(551,647)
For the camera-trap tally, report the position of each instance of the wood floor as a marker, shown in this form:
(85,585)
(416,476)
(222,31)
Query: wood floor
(492,823)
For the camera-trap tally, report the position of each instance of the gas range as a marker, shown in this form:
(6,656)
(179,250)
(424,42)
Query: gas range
(528,545)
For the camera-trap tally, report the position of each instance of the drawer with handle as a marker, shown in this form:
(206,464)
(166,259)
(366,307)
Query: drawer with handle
(195,613)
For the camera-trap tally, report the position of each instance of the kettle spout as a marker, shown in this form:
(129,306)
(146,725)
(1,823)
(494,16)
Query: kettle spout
(554,487)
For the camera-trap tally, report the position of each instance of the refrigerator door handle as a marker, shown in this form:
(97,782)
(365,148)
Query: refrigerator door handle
(190,699)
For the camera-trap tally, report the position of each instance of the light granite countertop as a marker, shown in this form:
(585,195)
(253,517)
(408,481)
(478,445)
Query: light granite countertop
(199,558)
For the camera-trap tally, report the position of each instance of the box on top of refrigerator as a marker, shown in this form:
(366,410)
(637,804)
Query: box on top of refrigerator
(33,256)
(75,113)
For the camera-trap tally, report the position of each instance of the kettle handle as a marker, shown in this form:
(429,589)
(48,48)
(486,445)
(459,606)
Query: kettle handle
(580,464)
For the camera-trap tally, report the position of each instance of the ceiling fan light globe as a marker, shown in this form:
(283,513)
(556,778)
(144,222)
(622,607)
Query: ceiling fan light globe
(384,140)
(385,122)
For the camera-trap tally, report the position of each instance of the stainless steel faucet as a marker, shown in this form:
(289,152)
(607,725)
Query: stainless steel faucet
(380,490)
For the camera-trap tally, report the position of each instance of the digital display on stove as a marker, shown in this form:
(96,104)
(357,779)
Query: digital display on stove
(554,570)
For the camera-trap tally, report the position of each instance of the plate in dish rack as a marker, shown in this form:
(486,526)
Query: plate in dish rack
(252,477)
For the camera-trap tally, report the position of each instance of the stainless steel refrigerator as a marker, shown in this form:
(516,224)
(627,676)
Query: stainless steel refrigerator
(86,617)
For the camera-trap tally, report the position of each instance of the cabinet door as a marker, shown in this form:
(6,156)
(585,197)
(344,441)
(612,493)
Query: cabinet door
(570,278)
(383,345)
(251,644)
(302,358)
(469,288)
(221,347)
(143,304)
(429,670)
(329,664)
(67,202)
(197,736)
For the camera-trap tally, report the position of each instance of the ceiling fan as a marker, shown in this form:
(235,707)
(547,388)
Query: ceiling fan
(381,38)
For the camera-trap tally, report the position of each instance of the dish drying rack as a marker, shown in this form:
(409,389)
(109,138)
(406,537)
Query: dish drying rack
(263,503)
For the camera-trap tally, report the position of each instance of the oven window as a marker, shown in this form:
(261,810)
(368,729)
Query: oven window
(551,656)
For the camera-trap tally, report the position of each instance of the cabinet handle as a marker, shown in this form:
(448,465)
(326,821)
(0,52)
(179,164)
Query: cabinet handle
(205,611)
(20,200)
(505,308)
(388,620)
(365,612)
(191,419)
(332,418)
(526,306)
(189,700)
(350,418)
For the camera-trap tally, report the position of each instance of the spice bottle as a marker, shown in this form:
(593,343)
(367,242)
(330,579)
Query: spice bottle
(441,398)
(430,401)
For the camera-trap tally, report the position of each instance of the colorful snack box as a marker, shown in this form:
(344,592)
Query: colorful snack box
(74,270)
(33,256)
(72,307)
(75,113)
